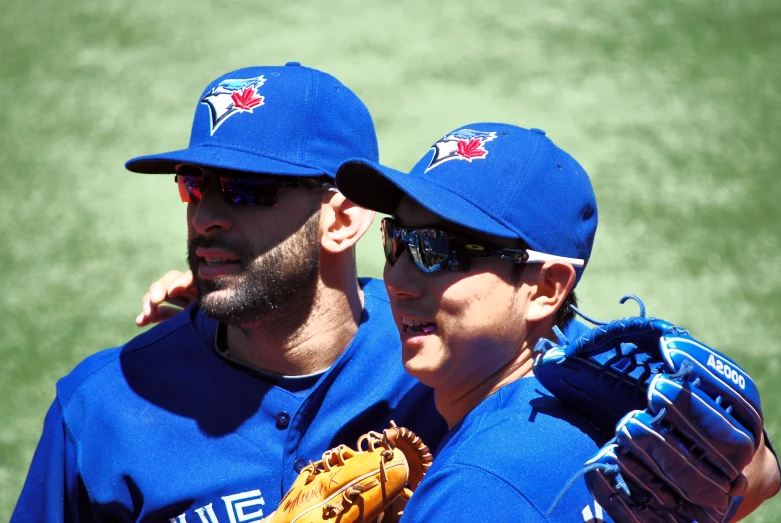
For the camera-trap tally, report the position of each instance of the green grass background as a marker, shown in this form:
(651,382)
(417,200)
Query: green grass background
(672,107)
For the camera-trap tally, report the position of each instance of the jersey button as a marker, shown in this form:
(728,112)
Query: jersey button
(299,464)
(283,420)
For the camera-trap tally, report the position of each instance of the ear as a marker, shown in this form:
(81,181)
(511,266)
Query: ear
(549,287)
(342,222)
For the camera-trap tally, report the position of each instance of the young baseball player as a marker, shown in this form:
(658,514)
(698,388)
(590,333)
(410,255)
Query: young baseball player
(490,232)
(209,417)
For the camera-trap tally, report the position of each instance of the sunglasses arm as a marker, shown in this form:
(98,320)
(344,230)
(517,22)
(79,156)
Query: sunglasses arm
(541,257)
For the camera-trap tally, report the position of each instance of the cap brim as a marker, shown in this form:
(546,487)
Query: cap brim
(381,188)
(218,158)
(370,185)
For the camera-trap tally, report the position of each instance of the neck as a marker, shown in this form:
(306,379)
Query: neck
(306,346)
(454,404)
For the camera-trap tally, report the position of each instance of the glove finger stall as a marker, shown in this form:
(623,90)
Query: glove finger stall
(721,439)
(665,459)
(649,501)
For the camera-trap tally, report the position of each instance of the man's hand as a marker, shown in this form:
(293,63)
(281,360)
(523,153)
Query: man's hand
(176,288)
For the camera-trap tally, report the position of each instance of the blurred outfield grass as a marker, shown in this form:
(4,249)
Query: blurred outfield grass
(672,107)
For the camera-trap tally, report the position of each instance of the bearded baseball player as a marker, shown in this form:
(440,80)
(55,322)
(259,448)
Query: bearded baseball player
(211,416)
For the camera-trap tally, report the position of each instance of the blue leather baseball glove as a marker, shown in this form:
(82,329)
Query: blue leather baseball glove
(685,420)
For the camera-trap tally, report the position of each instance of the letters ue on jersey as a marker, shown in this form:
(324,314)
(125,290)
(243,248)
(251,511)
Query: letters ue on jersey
(247,507)
(244,507)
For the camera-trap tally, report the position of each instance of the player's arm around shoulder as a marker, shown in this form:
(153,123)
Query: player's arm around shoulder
(458,492)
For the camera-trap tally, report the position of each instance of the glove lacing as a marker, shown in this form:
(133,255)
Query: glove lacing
(373,441)
(626,363)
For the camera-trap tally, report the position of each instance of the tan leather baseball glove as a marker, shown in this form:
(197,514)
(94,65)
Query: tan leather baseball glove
(370,484)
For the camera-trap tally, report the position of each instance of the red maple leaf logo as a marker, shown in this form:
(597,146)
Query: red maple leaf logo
(246,100)
(471,149)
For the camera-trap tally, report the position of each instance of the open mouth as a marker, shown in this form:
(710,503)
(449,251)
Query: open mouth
(214,257)
(217,261)
(417,326)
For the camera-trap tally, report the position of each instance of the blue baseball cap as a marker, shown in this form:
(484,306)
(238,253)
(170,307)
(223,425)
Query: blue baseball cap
(286,120)
(492,178)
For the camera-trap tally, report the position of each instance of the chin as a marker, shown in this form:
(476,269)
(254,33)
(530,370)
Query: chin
(219,304)
(217,296)
(422,372)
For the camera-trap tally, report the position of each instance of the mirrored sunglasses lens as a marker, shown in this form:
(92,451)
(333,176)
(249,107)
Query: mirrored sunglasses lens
(189,188)
(242,191)
(433,252)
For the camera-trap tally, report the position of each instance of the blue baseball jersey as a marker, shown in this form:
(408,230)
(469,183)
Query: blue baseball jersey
(507,461)
(166,428)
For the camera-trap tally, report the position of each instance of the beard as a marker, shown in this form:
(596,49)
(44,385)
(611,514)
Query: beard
(276,282)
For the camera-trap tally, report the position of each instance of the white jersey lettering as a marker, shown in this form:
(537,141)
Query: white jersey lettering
(205,512)
(236,505)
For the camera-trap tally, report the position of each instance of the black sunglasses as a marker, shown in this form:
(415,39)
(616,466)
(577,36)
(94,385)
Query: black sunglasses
(434,250)
(239,188)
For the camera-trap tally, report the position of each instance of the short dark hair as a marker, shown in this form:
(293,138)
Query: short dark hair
(564,314)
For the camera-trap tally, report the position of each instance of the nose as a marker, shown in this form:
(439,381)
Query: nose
(403,280)
(213,213)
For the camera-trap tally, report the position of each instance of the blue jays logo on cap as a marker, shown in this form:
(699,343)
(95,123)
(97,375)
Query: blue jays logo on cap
(464,144)
(231,96)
